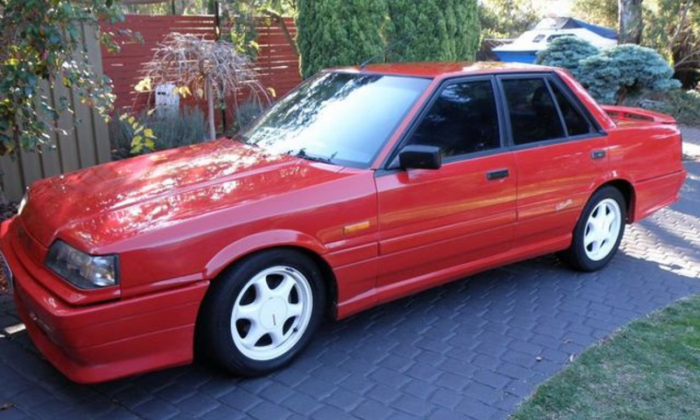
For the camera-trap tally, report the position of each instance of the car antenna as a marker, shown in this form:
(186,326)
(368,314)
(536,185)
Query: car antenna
(386,50)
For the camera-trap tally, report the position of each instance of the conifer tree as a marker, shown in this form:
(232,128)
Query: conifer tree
(433,30)
(339,33)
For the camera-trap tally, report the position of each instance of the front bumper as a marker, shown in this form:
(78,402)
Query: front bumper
(105,341)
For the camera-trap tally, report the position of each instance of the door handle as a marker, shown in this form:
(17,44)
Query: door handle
(598,154)
(497,174)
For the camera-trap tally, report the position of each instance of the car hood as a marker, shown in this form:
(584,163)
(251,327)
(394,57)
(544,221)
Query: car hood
(107,203)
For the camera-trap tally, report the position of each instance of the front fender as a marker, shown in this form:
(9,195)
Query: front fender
(258,242)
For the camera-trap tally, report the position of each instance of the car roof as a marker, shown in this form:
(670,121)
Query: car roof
(443,69)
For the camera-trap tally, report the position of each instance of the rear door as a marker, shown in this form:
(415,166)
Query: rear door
(433,220)
(560,154)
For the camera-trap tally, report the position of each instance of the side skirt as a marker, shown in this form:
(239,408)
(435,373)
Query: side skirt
(413,285)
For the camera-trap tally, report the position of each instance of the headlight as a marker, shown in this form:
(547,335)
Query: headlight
(23,203)
(80,269)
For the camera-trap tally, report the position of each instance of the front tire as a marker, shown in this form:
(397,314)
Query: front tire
(599,231)
(262,312)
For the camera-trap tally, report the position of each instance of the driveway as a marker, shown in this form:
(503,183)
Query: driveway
(471,349)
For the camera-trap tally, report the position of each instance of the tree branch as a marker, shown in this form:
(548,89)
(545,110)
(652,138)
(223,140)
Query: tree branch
(280,20)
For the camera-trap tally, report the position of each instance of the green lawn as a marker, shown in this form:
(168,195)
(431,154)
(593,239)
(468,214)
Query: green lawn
(648,370)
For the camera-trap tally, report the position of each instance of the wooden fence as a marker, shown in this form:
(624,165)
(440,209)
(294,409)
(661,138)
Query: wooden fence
(277,64)
(88,143)
(80,147)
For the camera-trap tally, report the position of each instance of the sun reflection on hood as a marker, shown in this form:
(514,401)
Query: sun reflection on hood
(151,192)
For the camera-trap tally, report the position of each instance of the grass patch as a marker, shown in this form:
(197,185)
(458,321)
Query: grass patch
(648,370)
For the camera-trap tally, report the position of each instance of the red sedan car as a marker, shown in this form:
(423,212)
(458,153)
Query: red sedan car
(361,186)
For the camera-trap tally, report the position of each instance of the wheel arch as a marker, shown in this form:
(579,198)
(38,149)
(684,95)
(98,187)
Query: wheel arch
(628,192)
(255,244)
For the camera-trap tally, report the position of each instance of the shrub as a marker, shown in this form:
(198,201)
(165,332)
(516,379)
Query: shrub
(683,105)
(171,130)
(339,33)
(567,52)
(615,72)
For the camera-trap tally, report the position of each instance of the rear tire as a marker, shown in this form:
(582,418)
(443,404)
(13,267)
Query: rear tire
(599,231)
(259,314)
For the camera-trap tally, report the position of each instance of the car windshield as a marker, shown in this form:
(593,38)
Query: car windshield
(338,118)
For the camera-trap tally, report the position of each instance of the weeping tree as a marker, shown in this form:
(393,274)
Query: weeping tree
(208,69)
(339,33)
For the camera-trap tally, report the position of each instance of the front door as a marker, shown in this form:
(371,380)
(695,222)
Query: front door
(436,220)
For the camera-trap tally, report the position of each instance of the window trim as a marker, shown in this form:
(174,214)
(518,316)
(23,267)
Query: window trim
(596,131)
(386,167)
(576,102)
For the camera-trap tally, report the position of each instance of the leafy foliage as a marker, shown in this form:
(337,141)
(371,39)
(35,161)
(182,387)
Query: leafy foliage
(432,30)
(613,73)
(567,52)
(42,41)
(683,105)
(339,32)
(598,12)
(244,16)
(141,137)
(506,19)
(672,27)
(164,131)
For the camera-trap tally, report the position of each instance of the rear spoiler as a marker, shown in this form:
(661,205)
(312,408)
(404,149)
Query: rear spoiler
(623,113)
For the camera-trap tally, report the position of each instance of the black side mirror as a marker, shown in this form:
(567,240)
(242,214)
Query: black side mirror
(420,157)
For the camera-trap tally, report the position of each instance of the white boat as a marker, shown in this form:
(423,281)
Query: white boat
(524,49)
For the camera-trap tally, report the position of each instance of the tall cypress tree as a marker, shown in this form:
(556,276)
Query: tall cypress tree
(339,32)
(433,30)
(467,29)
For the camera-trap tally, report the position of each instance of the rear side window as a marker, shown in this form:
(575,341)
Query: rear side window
(462,120)
(533,114)
(576,123)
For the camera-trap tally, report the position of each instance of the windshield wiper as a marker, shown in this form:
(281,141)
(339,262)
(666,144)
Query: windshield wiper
(302,154)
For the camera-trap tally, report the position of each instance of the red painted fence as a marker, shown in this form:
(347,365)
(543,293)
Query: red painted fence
(277,64)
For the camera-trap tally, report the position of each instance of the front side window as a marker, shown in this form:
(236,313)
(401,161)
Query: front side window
(339,118)
(533,114)
(462,120)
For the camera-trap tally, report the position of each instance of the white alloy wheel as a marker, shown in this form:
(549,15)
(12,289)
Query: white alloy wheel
(271,313)
(602,229)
